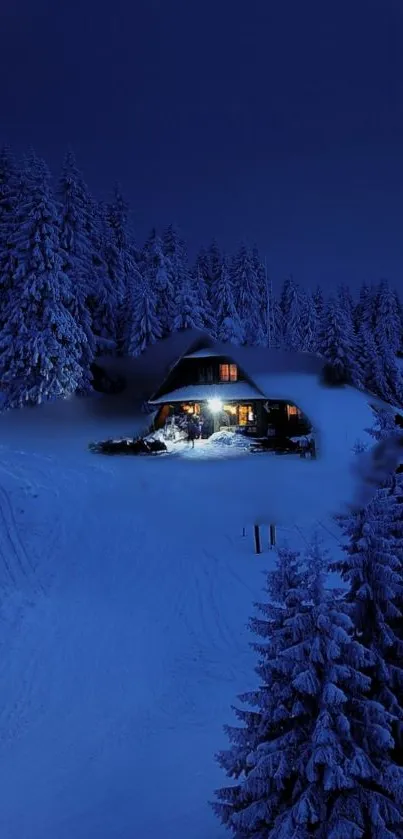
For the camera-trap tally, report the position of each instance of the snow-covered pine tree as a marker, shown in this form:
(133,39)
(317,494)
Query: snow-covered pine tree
(364,312)
(399,305)
(391,372)
(201,279)
(337,344)
(319,301)
(387,318)
(229,326)
(189,313)
(373,570)
(215,263)
(145,327)
(266,331)
(247,294)
(309,323)
(174,248)
(276,338)
(75,202)
(387,336)
(122,266)
(101,299)
(370,374)
(10,195)
(346,301)
(315,756)
(156,271)
(290,305)
(41,346)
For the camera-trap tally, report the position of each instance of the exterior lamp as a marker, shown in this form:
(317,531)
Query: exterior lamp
(215,405)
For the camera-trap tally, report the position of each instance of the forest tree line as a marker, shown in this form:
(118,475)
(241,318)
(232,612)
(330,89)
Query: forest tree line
(75,285)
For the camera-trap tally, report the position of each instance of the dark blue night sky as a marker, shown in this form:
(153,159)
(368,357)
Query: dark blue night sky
(277,121)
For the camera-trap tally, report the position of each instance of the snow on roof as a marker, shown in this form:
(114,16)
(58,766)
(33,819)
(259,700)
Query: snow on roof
(207,352)
(253,361)
(199,393)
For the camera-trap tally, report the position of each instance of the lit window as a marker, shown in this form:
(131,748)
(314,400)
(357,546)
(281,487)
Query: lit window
(228,373)
(245,414)
(293,411)
(230,409)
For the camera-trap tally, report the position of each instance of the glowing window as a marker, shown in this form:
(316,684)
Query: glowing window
(228,373)
(245,414)
(293,411)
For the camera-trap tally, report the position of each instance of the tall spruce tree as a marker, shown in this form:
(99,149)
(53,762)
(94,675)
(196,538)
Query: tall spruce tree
(309,323)
(156,270)
(346,301)
(144,326)
(10,197)
(290,306)
(373,569)
(387,318)
(315,756)
(247,292)
(229,326)
(122,265)
(319,301)
(266,328)
(364,312)
(202,286)
(77,253)
(215,263)
(370,372)
(189,314)
(41,345)
(337,344)
(276,336)
(175,250)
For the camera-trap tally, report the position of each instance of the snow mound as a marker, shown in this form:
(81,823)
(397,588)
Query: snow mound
(230,438)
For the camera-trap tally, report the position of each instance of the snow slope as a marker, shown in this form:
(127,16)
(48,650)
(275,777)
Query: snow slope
(126,585)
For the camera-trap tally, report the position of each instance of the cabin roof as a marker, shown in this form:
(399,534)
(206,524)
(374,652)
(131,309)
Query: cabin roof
(257,363)
(145,375)
(199,393)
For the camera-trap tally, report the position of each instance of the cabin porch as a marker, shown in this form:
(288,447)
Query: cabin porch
(254,418)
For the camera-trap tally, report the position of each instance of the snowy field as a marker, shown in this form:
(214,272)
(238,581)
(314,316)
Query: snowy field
(125,594)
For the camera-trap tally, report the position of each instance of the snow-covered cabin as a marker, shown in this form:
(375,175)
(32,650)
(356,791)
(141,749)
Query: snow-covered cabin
(228,386)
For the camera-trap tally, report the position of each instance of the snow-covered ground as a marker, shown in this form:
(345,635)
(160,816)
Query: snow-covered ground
(126,586)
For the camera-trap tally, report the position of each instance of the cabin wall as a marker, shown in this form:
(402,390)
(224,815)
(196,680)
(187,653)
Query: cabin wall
(267,413)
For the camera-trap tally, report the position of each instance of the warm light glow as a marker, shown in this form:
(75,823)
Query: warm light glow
(215,405)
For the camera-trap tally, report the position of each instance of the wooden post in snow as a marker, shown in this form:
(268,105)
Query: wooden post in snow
(256,531)
(273,535)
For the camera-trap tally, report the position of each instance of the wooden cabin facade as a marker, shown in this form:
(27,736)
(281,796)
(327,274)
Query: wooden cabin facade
(210,384)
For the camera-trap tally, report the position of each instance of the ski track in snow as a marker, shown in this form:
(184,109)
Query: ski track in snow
(124,643)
